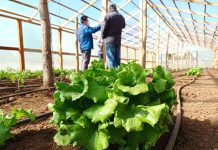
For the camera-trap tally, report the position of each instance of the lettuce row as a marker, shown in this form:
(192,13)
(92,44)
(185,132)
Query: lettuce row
(8,121)
(102,107)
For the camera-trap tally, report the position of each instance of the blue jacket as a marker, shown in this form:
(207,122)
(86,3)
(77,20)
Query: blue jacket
(84,35)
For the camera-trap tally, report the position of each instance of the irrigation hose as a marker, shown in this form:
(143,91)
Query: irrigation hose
(174,134)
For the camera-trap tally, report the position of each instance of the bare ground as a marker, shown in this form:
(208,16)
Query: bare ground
(199,126)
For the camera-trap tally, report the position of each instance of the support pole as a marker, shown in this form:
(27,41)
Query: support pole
(135,57)
(166,57)
(143,31)
(158,40)
(76,45)
(127,54)
(20,45)
(190,59)
(196,58)
(186,60)
(177,56)
(216,58)
(60,48)
(48,80)
(172,56)
(104,12)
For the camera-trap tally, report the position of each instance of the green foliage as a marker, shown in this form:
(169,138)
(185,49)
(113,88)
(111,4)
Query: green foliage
(196,71)
(8,121)
(101,107)
(61,72)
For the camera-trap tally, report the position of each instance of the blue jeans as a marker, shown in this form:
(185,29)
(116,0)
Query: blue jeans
(113,55)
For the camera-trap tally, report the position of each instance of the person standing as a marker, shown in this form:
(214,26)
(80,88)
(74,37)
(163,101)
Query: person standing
(84,35)
(111,34)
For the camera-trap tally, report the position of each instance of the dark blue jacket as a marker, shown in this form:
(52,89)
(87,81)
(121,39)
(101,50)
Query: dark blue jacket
(111,29)
(84,35)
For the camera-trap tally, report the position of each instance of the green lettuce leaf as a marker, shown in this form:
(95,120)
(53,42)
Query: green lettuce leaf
(135,90)
(89,138)
(134,118)
(100,113)
(96,92)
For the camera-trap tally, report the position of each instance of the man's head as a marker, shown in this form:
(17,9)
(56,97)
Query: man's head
(112,7)
(84,20)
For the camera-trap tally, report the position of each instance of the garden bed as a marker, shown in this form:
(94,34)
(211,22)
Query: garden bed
(39,135)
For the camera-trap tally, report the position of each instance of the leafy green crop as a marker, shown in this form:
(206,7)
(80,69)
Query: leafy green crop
(196,71)
(8,121)
(102,107)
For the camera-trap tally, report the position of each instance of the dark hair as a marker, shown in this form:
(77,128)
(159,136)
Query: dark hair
(83,19)
(113,7)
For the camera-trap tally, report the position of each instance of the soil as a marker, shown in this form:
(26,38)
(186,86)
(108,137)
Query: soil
(37,101)
(39,135)
(199,126)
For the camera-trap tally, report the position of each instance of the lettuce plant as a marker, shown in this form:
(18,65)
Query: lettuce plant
(195,71)
(7,121)
(102,107)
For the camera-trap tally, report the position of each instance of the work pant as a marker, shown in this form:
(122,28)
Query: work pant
(113,55)
(85,59)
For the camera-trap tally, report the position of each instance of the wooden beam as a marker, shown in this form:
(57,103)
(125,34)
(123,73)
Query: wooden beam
(60,48)
(21,45)
(200,2)
(104,12)
(143,32)
(158,12)
(196,59)
(167,49)
(77,45)
(9,48)
(78,13)
(177,56)
(187,11)
(127,54)
(158,40)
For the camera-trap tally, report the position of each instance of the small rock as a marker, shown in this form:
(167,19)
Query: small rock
(28,95)
(11,98)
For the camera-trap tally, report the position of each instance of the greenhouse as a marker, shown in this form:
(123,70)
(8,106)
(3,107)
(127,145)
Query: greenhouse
(109,74)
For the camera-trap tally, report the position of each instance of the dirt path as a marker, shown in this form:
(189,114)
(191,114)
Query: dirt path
(199,126)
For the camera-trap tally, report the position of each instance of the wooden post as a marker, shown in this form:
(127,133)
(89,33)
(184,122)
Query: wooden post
(186,60)
(48,80)
(143,31)
(60,48)
(166,57)
(190,59)
(153,59)
(76,45)
(196,58)
(127,54)
(135,57)
(158,40)
(20,45)
(104,12)
(177,57)
(215,58)
(182,52)
(172,55)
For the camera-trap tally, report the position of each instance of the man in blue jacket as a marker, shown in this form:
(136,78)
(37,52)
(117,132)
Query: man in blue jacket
(84,35)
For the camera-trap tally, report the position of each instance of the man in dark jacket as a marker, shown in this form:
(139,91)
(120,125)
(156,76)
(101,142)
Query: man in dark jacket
(84,35)
(111,34)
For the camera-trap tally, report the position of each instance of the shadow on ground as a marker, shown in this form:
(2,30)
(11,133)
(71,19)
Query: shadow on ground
(197,135)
